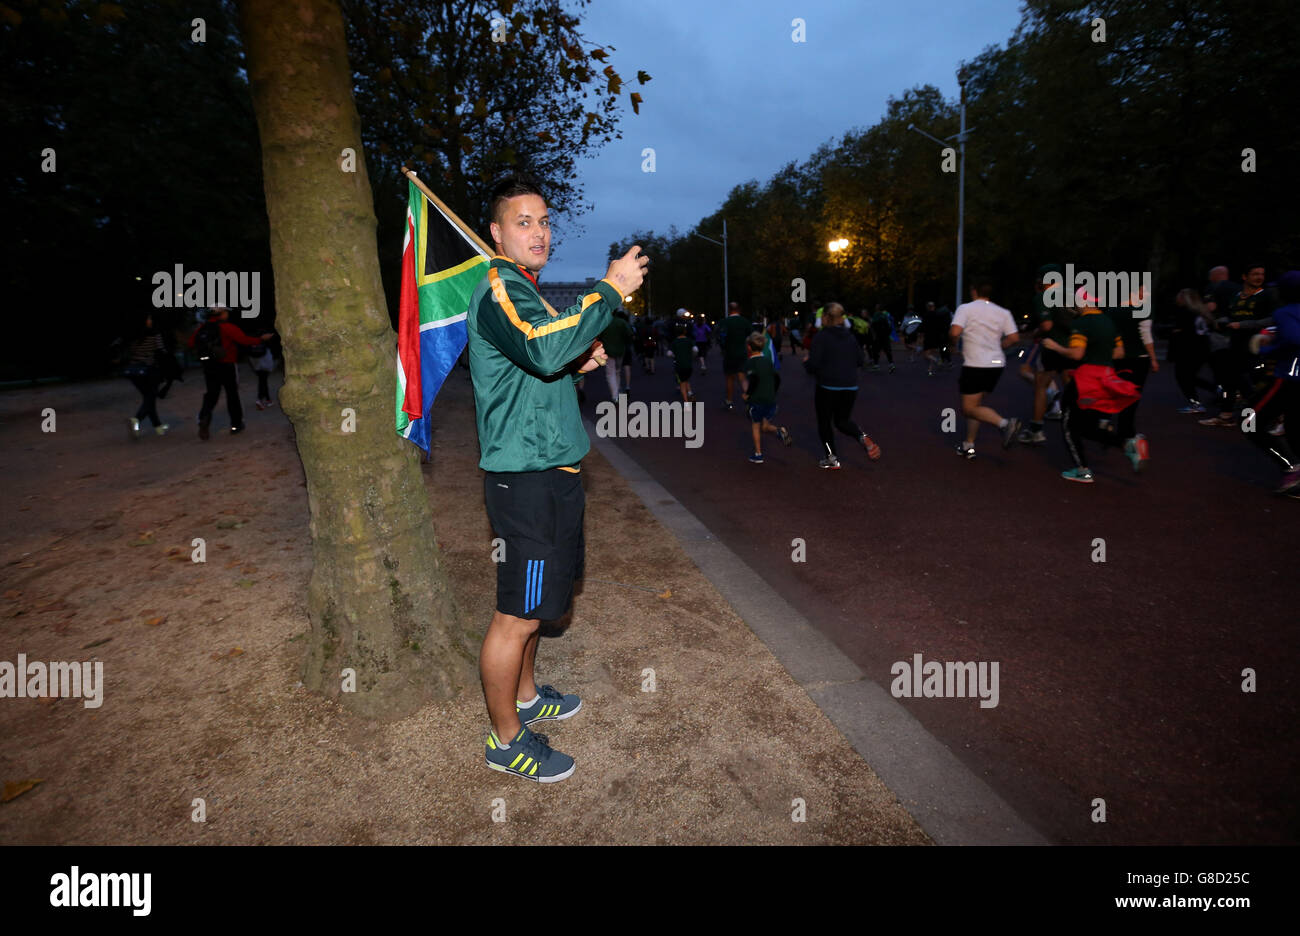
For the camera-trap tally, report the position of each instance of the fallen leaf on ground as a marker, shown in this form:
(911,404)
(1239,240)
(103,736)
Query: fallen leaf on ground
(233,652)
(245,583)
(666,593)
(12,593)
(18,788)
(96,643)
(154,621)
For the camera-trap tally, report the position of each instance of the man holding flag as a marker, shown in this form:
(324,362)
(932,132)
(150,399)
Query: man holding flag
(524,358)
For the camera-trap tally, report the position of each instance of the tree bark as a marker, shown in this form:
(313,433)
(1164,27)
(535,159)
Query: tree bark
(378,600)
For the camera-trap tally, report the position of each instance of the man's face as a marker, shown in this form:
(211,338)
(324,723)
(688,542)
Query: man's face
(1255,277)
(524,231)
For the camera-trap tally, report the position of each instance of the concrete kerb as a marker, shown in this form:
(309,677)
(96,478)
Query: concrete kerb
(948,801)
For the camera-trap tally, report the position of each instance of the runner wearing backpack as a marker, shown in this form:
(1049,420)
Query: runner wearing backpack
(215,342)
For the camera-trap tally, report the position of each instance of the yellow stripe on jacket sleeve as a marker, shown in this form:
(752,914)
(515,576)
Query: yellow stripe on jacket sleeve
(1078,340)
(594,296)
(502,297)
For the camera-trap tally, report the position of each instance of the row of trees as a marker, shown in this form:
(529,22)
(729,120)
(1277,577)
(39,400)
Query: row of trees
(132,144)
(1136,135)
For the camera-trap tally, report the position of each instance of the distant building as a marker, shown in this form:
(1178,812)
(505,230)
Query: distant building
(563,295)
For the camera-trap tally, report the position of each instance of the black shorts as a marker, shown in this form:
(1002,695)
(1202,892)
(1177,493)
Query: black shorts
(1055,361)
(733,365)
(682,375)
(978,379)
(539,515)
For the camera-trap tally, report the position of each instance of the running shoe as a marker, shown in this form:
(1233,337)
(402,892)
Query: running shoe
(784,435)
(235,430)
(551,705)
(161,430)
(203,429)
(1218,421)
(1191,408)
(261,405)
(830,461)
(1055,411)
(756,458)
(1137,450)
(873,450)
(965,452)
(891,368)
(1290,481)
(1279,428)
(1009,432)
(1082,475)
(730,406)
(1031,437)
(529,755)
(133,427)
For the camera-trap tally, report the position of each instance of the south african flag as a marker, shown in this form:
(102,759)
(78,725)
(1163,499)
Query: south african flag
(441,265)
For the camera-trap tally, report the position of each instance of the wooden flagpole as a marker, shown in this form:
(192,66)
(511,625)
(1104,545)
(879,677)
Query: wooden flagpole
(465,228)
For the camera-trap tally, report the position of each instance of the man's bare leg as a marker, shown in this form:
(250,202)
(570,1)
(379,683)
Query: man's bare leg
(976,413)
(501,668)
(1041,382)
(528,688)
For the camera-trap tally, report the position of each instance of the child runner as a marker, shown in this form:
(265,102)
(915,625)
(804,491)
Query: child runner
(760,394)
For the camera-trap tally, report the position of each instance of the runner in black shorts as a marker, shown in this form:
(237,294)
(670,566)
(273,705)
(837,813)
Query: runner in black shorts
(1054,322)
(989,330)
(735,334)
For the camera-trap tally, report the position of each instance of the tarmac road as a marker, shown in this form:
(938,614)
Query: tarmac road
(1119,680)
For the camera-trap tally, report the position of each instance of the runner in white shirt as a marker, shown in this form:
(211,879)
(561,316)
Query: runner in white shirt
(987,331)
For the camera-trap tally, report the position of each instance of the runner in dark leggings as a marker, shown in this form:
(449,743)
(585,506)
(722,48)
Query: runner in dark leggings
(833,360)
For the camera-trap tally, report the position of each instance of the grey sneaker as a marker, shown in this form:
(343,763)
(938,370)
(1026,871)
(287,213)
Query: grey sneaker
(528,755)
(830,461)
(1009,432)
(551,705)
(133,427)
(964,452)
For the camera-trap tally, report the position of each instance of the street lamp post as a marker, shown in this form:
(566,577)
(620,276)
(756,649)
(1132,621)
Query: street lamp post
(837,247)
(726,283)
(962,133)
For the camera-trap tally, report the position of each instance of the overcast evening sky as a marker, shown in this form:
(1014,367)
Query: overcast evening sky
(733,98)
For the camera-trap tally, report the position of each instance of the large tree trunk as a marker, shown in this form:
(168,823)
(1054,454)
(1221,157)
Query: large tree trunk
(378,601)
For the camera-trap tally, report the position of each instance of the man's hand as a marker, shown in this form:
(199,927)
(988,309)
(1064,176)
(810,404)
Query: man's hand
(594,358)
(628,271)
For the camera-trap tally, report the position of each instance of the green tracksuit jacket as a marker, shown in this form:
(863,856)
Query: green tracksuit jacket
(519,356)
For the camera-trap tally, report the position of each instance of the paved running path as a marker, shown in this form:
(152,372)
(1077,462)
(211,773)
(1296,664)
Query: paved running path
(1118,680)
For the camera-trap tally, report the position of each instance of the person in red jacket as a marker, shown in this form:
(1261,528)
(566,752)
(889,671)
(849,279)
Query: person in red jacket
(219,366)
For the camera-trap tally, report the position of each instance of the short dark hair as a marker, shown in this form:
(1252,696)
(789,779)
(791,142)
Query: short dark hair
(983,286)
(508,188)
(1254,266)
